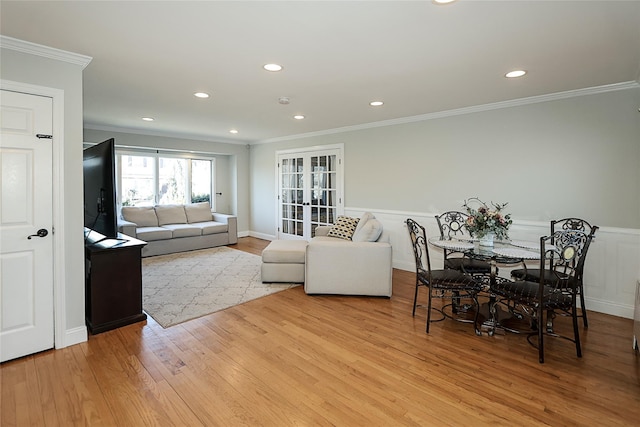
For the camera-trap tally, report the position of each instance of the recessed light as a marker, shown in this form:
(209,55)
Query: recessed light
(148,119)
(376,103)
(201,95)
(272,67)
(298,117)
(443,1)
(515,73)
(233,131)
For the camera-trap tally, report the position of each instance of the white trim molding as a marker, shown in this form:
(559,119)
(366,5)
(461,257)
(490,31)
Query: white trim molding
(44,51)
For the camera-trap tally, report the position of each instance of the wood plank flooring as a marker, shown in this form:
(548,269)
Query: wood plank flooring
(293,359)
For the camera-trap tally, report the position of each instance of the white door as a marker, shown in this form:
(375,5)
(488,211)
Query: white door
(309,192)
(26,254)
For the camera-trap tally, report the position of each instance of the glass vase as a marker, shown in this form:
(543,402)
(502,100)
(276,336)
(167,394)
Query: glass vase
(487,240)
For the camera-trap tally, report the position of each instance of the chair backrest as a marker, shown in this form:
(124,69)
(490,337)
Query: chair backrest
(418,238)
(580,225)
(573,224)
(566,250)
(451,224)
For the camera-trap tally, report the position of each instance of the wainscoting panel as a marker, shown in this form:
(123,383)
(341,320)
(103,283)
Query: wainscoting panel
(611,272)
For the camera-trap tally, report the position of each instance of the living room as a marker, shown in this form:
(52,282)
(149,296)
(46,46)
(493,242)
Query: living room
(572,151)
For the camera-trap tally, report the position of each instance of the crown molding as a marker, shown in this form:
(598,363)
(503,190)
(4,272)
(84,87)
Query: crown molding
(166,134)
(44,51)
(466,110)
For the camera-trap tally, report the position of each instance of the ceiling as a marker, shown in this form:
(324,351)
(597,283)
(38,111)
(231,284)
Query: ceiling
(150,57)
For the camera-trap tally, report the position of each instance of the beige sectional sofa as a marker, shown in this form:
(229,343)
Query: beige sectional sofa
(352,257)
(358,266)
(177,228)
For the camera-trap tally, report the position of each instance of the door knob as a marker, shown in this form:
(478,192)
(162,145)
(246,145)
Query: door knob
(41,233)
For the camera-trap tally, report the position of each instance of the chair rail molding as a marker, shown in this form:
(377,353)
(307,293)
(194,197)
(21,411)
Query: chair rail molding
(611,270)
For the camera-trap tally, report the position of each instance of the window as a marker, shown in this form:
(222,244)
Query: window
(172,184)
(136,181)
(149,179)
(200,181)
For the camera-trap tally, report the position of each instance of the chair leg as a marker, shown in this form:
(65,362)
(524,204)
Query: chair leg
(583,309)
(475,320)
(540,337)
(576,332)
(415,298)
(429,311)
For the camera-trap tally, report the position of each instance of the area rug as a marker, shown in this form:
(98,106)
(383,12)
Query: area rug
(184,286)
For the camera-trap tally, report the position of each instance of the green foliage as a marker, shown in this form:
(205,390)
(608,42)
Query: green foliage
(197,198)
(484,220)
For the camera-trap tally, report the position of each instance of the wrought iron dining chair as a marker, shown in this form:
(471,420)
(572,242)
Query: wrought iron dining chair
(534,273)
(557,288)
(445,283)
(451,226)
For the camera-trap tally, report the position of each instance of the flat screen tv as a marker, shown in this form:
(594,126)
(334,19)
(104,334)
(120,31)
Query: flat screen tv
(100,212)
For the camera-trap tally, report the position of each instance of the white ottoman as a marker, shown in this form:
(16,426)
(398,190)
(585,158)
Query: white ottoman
(283,261)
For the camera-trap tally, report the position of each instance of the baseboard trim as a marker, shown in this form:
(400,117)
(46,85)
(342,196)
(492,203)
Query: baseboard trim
(73,336)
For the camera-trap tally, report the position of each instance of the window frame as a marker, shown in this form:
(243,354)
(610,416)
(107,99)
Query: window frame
(156,155)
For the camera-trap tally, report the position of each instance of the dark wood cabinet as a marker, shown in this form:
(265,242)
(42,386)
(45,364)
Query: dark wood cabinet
(113,282)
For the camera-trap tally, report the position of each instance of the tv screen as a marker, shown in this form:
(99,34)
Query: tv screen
(100,213)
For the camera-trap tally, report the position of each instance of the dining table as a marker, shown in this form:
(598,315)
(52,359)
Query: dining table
(504,253)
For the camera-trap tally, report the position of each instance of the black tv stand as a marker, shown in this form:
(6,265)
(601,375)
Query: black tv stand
(113,282)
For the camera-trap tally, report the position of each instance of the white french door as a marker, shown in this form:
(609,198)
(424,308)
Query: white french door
(26,221)
(310,191)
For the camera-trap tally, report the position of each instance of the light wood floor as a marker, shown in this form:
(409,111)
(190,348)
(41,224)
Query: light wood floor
(293,359)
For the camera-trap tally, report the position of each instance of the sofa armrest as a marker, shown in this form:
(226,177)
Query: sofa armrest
(232,222)
(322,230)
(336,266)
(127,227)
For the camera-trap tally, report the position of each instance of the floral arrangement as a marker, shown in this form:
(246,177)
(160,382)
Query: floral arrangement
(484,220)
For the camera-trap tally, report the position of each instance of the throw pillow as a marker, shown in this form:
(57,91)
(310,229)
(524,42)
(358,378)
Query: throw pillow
(171,214)
(343,228)
(142,216)
(198,212)
(370,232)
(363,220)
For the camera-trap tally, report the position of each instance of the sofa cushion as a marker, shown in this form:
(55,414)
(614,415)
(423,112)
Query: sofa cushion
(142,216)
(285,251)
(370,232)
(344,227)
(149,234)
(198,212)
(211,227)
(183,230)
(171,214)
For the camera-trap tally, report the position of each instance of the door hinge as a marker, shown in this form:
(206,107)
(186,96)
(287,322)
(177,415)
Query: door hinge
(43,136)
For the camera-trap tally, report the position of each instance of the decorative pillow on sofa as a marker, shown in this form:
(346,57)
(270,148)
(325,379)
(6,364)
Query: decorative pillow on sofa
(363,220)
(343,228)
(198,212)
(369,232)
(171,214)
(143,216)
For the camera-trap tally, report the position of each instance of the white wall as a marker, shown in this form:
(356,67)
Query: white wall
(576,156)
(232,166)
(50,73)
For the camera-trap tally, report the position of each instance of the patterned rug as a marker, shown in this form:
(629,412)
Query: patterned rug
(183,286)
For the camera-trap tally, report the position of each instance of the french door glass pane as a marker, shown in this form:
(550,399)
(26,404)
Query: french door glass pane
(137,174)
(200,181)
(323,190)
(172,185)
